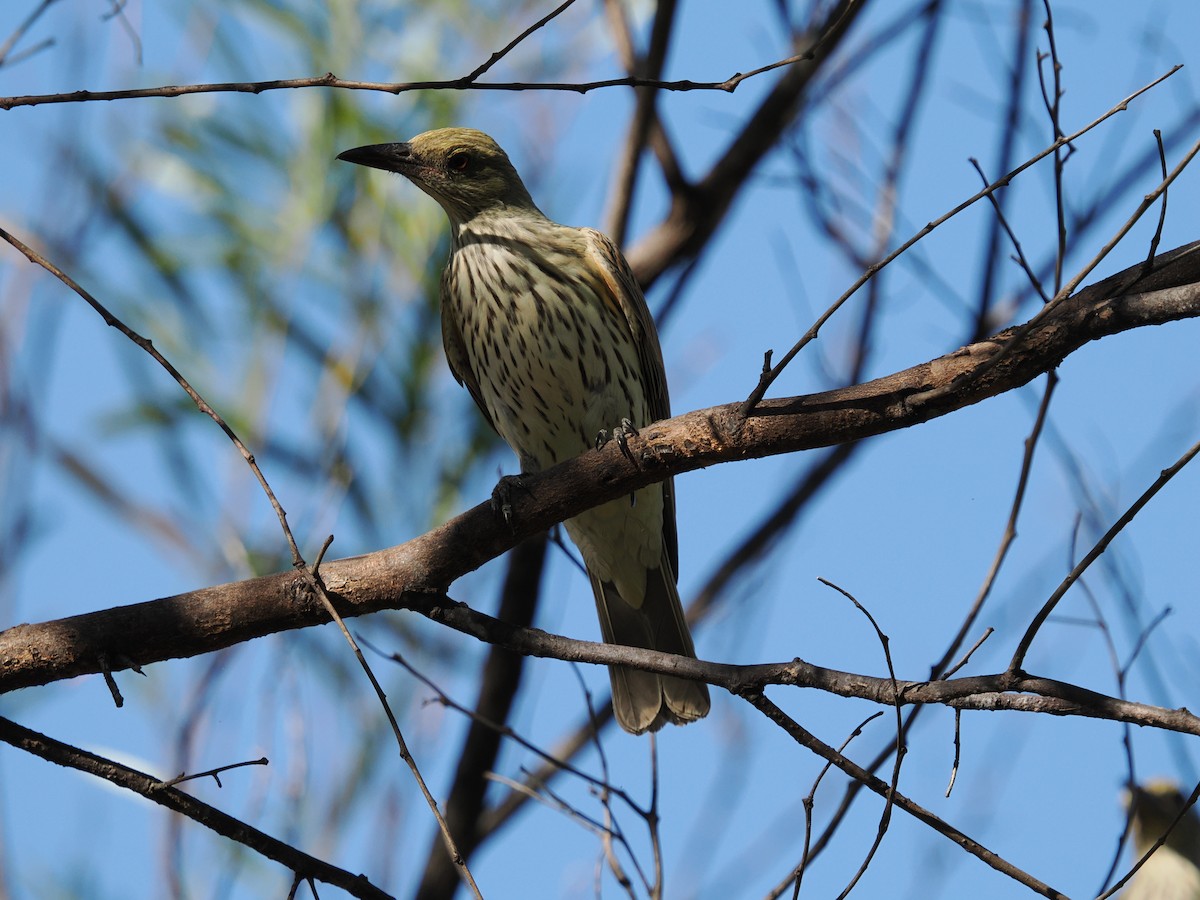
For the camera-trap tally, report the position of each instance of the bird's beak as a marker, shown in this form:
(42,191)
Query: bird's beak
(389,157)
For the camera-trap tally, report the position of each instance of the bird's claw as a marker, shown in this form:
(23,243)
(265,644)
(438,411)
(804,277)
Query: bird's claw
(621,434)
(502,495)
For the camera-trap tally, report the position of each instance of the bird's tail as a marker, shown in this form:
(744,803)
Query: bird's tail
(645,701)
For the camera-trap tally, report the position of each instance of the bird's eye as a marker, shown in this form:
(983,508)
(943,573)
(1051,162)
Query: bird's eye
(458,161)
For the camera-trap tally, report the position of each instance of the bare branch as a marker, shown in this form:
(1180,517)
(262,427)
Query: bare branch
(7,57)
(767,378)
(416,574)
(504,51)
(696,212)
(147,345)
(329,80)
(151,788)
(314,586)
(499,681)
(1092,555)
(880,787)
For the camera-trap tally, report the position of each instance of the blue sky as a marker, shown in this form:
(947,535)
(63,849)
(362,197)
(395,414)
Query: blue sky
(909,528)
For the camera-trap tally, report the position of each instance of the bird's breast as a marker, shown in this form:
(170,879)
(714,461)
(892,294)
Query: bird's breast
(554,361)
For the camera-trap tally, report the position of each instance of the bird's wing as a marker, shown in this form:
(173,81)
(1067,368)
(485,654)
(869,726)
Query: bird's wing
(619,279)
(625,290)
(456,351)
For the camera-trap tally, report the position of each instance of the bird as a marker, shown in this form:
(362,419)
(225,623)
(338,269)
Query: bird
(1173,871)
(547,328)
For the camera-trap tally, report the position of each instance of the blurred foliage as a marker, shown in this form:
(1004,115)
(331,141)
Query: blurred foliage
(299,296)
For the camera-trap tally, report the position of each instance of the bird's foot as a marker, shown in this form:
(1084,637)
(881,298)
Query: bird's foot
(621,434)
(502,495)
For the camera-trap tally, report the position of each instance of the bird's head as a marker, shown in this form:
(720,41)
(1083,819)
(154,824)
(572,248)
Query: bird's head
(462,169)
(1155,806)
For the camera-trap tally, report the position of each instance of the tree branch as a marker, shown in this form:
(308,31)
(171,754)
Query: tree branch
(162,793)
(696,212)
(499,682)
(329,80)
(880,787)
(415,575)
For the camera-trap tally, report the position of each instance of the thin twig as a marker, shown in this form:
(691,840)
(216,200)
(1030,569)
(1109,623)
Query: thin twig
(459,860)
(214,774)
(957,751)
(885,817)
(1069,288)
(176,800)
(329,80)
(503,52)
(803,737)
(1002,222)
(1010,532)
(508,732)
(797,874)
(110,681)
(1052,99)
(312,575)
(768,378)
(1162,839)
(987,633)
(20,31)
(147,345)
(1008,134)
(1018,659)
(1162,213)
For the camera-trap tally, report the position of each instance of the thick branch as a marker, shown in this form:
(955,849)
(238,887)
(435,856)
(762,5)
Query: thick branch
(416,574)
(1017,692)
(697,212)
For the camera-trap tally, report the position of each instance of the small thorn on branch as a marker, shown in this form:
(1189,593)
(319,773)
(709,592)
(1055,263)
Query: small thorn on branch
(106,671)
